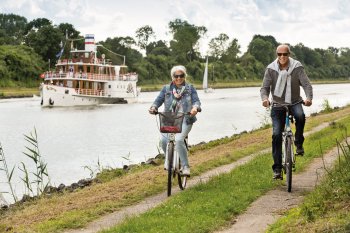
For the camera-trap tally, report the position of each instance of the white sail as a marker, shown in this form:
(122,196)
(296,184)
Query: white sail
(205,77)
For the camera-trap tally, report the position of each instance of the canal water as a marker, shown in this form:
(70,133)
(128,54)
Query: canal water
(72,139)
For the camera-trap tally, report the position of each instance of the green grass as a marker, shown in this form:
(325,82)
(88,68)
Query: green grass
(327,208)
(18,92)
(206,207)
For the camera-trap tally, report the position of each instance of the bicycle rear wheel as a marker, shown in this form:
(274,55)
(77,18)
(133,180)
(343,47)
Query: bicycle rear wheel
(289,163)
(170,166)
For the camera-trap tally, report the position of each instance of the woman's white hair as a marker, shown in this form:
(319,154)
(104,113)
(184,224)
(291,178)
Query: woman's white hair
(178,68)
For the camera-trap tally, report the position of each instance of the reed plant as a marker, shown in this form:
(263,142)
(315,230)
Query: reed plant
(8,173)
(41,176)
(326,107)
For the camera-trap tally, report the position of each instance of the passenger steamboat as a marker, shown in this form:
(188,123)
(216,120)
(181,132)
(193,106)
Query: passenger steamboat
(86,79)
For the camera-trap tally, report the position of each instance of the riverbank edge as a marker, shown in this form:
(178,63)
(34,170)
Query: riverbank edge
(12,93)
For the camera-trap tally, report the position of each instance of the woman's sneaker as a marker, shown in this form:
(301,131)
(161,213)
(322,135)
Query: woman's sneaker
(185,171)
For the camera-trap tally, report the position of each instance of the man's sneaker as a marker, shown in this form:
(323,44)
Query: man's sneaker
(300,150)
(277,175)
(185,171)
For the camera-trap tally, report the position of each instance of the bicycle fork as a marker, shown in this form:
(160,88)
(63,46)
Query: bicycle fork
(285,135)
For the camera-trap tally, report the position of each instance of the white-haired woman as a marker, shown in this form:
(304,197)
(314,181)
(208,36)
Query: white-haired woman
(179,96)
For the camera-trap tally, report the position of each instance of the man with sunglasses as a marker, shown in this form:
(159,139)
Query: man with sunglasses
(179,96)
(283,78)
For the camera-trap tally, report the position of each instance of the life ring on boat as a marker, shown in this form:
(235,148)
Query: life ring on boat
(51,102)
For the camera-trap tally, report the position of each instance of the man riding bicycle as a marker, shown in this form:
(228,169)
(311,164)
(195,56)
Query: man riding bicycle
(283,78)
(179,96)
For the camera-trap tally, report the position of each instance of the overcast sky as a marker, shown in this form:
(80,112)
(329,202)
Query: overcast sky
(315,23)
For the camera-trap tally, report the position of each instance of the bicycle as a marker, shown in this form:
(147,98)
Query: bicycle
(171,123)
(288,155)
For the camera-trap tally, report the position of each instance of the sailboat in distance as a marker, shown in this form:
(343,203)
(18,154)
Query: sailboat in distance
(205,79)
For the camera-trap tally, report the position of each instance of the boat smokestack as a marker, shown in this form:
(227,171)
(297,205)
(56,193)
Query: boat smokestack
(90,42)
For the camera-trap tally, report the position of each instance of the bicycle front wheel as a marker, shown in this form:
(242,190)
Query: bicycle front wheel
(182,180)
(170,158)
(289,163)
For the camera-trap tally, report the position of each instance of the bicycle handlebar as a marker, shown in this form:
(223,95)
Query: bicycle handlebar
(155,111)
(287,105)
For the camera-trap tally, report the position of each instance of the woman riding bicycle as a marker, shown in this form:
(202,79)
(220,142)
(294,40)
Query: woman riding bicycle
(179,96)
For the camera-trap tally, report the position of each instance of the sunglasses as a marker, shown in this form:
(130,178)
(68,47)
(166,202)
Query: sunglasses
(179,75)
(284,54)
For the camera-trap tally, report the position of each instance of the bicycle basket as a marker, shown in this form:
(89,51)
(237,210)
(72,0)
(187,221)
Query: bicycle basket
(170,122)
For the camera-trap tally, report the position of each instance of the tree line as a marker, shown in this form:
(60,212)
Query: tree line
(27,49)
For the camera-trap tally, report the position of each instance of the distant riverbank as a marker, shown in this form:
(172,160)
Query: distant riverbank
(22,92)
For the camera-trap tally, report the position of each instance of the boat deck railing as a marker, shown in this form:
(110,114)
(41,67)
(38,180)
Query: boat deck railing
(92,92)
(90,76)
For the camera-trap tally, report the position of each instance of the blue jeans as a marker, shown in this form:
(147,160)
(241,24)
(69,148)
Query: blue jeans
(180,146)
(278,115)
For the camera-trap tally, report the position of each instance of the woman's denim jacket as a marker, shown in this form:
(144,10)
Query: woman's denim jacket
(189,100)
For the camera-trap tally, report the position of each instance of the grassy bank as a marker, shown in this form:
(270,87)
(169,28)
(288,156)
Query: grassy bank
(76,209)
(18,92)
(212,205)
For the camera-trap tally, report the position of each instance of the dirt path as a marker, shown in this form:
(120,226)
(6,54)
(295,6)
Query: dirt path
(262,212)
(268,208)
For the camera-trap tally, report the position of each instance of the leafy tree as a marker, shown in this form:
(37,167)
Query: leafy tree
(269,39)
(254,68)
(231,54)
(143,35)
(158,48)
(262,50)
(68,30)
(184,44)
(328,58)
(12,28)
(36,24)
(123,47)
(19,66)
(218,46)
(45,41)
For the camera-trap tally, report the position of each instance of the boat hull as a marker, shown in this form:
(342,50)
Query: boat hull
(52,95)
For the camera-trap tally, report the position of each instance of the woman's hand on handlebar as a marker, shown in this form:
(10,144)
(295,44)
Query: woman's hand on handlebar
(194,111)
(153,110)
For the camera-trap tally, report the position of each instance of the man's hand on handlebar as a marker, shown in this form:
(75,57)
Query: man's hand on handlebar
(307,102)
(266,103)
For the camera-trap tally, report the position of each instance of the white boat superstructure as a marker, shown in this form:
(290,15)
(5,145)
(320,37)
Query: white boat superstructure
(84,79)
